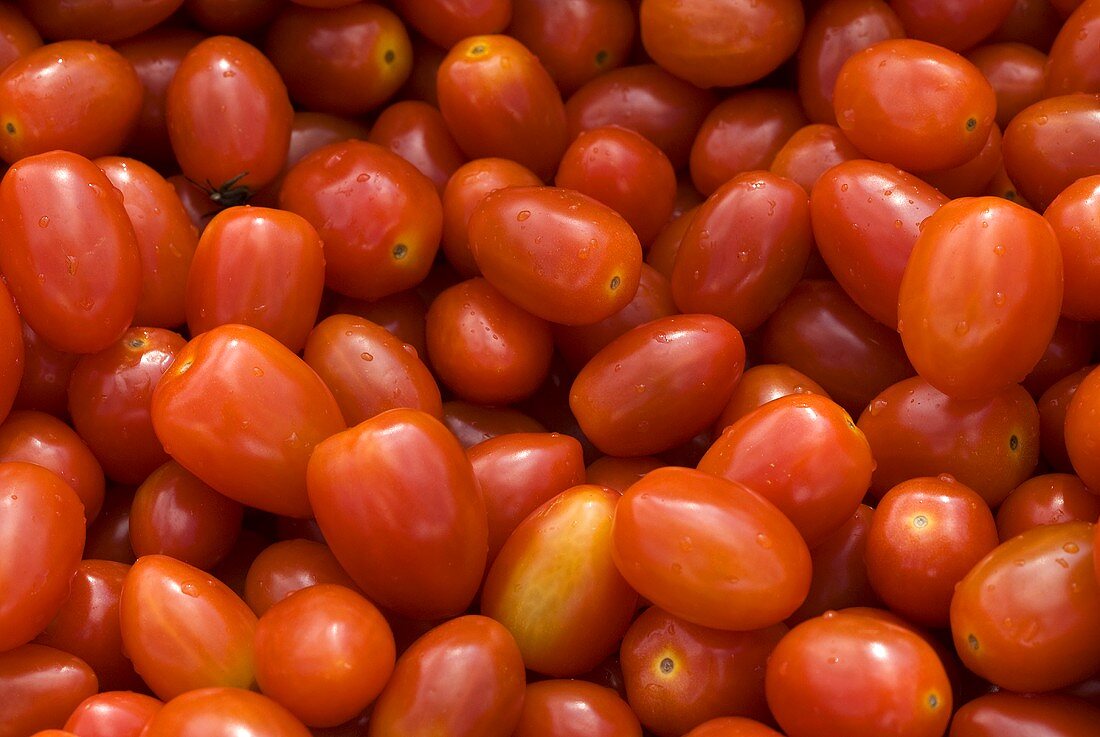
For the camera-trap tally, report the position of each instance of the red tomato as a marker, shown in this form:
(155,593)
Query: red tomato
(802,453)
(1015,71)
(87,625)
(403,315)
(41,687)
(176,514)
(745,249)
(244,414)
(498,100)
(345,61)
(184,629)
(972,177)
(416,132)
(289,566)
(379,218)
(810,152)
(110,398)
(620,398)
(107,21)
(1075,216)
(276,264)
(324,653)
(1034,22)
(619,473)
(1074,64)
(44,440)
(913,524)
(229,118)
(446,22)
(1011,715)
(574,709)
(70,258)
(413,519)
(980,297)
(732,727)
(472,423)
(1070,349)
(19,36)
(943,120)
(990,445)
(851,675)
(743,133)
(14,361)
(953,24)
(41,539)
(709,550)
(108,537)
(678,674)
(1050,499)
(559,254)
(80,96)
(1053,405)
(464,679)
(762,384)
(223,712)
(113,714)
(720,43)
(1024,617)
(483,347)
(555,587)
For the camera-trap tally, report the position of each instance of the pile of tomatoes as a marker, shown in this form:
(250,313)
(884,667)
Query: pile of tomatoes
(549,368)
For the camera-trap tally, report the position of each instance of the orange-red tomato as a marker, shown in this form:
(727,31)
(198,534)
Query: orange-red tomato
(19,36)
(184,629)
(1053,405)
(288,566)
(113,714)
(1074,64)
(41,687)
(732,727)
(1015,71)
(1081,432)
(560,708)
(811,151)
(1023,618)
(1049,499)
(446,22)
(555,586)
(416,132)
(953,24)
(1075,217)
(107,21)
(709,550)
(223,712)
(761,384)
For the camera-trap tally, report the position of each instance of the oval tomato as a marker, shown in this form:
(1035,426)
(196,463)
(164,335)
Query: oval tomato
(41,687)
(288,566)
(113,714)
(574,709)
(223,712)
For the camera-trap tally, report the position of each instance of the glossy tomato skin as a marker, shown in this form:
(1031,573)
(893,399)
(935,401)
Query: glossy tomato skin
(838,29)
(1070,349)
(804,454)
(176,514)
(324,653)
(289,566)
(953,25)
(839,572)
(718,43)
(562,551)
(464,678)
(819,331)
(416,132)
(519,472)
(166,239)
(20,37)
(575,41)
(345,61)
(446,22)
(980,297)
(1012,715)
(41,687)
(1015,71)
(743,133)
(44,384)
(568,708)
(732,727)
(1038,144)
(369,369)
(79,96)
(379,218)
(620,396)
(990,445)
(87,625)
(42,534)
(1073,60)
(1080,429)
(184,629)
(853,675)
(1023,618)
(113,714)
(624,170)
(1073,216)
(725,557)
(71,259)
(646,98)
(498,100)
(678,674)
(1053,406)
(810,152)
(228,115)
(111,21)
(214,412)
(472,423)
(913,524)
(942,121)
(745,249)
(484,348)
(972,177)
(427,561)
(276,263)
(867,217)
(44,440)
(761,384)
(223,712)
(1049,499)
(110,396)
(12,366)
(559,254)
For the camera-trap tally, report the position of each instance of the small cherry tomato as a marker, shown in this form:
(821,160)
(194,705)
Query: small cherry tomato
(1035,715)
(19,36)
(472,423)
(416,132)
(41,687)
(1050,499)
(761,384)
(1075,216)
(839,571)
(567,708)
(952,24)
(288,566)
(1074,64)
(1015,71)
(113,714)
(223,712)
(811,151)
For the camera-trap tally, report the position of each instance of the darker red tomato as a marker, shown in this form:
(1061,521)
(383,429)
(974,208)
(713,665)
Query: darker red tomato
(1049,499)
(972,177)
(568,708)
(620,397)
(107,21)
(446,22)
(414,516)
(289,566)
(41,687)
(223,712)
(1053,405)
(416,132)
(810,152)
(1015,71)
(229,118)
(1012,715)
(14,361)
(70,258)
(953,24)
(732,727)
(19,36)
(709,550)
(1074,64)
(243,413)
(761,384)
(473,423)
(1070,349)
(1073,217)
(108,537)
